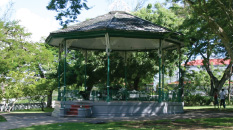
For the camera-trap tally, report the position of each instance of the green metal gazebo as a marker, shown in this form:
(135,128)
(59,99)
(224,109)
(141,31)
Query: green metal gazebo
(115,31)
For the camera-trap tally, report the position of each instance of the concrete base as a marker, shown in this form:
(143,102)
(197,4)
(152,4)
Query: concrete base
(84,112)
(56,111)
(129,108)
(126,109)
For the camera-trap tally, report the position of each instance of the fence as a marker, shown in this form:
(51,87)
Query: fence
(20,106)
(120,95)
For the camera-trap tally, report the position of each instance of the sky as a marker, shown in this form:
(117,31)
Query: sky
(39,21)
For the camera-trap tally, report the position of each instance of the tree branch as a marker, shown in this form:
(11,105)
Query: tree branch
(208,68)
(215,27)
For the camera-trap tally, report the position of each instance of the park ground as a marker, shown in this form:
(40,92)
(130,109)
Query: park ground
(205,117)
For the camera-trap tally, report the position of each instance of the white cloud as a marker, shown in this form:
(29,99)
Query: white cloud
(3,2)
(35,24)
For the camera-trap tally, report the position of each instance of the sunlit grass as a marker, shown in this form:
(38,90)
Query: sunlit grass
(207,107)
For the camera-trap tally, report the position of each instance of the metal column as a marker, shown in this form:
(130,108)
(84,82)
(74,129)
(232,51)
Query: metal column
(125,70)
(160,56)
(85,81)
(163,68)
(179,92)
(59,67)
(108,71)
(65,53)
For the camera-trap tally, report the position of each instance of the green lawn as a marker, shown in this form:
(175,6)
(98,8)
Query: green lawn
(228,107)
(2,119)
(204,123)
(210,123)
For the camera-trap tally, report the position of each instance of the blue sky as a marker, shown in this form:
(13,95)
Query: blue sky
(34,16)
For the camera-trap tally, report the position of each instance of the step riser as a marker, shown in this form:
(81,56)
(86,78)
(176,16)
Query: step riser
(74,109)
(72,113)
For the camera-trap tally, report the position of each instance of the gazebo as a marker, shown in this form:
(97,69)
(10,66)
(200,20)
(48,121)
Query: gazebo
(116,31)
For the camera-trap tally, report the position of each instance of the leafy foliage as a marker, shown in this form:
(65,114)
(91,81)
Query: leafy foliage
(217,17)
(23,64)
(67,9)
(192,100)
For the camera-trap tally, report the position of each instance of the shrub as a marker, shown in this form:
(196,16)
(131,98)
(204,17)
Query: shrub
(195,100)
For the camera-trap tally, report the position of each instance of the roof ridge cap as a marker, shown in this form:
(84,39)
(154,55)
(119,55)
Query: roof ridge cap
(111,19)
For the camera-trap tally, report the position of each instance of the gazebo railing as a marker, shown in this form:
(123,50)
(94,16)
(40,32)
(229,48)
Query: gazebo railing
(116,95)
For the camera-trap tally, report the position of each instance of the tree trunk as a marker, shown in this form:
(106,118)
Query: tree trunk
(42,104)
(212,88)
(182,81)
(6,105)
(86,94)
(218,84)
(136,82)
(49,99)
(229,88)
(10,107)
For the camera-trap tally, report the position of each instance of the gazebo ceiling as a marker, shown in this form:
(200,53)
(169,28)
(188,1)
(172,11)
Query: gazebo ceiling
(126,32)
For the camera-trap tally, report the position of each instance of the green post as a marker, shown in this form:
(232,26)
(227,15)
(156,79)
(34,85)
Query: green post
(163,67)
(160,100)
(85,81)
(125,71)
(179,92)
(108,96)
(59,66)
(108,71)
(65,53)
(163,97)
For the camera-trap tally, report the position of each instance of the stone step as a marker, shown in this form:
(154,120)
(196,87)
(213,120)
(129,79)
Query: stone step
(80,106)
(75,106)
(70,116)
(72,113)
(73,109)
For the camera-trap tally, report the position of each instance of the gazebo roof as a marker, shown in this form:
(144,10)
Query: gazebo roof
(126,32)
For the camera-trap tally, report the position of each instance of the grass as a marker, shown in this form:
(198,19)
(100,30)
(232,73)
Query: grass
(203,123)
(208,123)
(206,107)
(2,119)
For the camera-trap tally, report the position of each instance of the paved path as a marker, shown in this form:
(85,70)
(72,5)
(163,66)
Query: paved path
(24,120)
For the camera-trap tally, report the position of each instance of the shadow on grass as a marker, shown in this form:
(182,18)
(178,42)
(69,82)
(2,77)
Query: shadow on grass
(209,123)
(2,119)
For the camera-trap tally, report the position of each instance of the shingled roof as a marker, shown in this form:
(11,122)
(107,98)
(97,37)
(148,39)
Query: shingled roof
(126,32)
(115,20)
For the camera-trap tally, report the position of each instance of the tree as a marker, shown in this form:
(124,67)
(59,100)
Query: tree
(67,10)
(218,14)
(207,43)
(20,59)
(12,90)
(196,30)
(171,18)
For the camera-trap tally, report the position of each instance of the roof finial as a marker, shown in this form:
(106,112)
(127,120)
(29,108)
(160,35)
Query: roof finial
(119,5)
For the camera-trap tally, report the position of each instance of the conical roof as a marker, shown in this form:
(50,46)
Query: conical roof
(126,32)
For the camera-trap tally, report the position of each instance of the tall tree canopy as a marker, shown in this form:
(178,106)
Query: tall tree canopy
(218,14)
(23,64)
(68,10)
